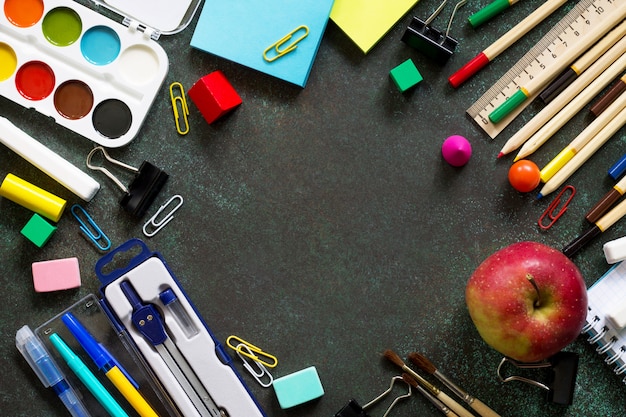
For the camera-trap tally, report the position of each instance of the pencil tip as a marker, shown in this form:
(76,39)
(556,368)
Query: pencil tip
(539,196)
(500,155)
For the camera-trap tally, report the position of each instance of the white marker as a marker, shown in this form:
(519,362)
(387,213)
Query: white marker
(48,161)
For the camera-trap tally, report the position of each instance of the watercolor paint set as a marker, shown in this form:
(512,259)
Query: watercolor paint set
(93,75)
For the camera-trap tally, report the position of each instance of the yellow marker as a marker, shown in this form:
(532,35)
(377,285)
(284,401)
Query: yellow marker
(32,197)
(124,386)
(583,138)
(556,163)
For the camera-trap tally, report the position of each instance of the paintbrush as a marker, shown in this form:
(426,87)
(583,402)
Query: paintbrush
(427,366)
(442,396)
(430,397)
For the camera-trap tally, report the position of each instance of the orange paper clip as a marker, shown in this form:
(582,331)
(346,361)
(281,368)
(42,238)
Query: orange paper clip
(554,206)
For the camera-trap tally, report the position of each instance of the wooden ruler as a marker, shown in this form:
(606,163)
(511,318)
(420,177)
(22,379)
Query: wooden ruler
(568,33)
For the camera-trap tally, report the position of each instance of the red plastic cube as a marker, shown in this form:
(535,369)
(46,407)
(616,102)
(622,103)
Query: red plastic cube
(214,96)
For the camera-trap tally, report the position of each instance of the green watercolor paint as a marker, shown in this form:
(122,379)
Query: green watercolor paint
(62,26)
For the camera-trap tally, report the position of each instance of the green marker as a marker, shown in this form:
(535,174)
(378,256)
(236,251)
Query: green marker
(87,377)
(489,11)
(509,105)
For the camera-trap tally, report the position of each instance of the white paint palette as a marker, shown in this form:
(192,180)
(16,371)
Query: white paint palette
(89,73)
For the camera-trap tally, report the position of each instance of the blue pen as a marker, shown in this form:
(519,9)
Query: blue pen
(48,372)
(107,364)
(87,377)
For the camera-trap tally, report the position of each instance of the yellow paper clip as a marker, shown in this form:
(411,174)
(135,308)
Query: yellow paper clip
(179,100)
(253,352)
(276,46)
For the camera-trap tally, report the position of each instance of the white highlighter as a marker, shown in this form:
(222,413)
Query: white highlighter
(48,161)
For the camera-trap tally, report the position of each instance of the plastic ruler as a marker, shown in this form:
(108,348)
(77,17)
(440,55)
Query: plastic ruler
(567,33)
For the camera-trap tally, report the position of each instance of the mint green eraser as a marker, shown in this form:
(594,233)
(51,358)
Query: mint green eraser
(298,388)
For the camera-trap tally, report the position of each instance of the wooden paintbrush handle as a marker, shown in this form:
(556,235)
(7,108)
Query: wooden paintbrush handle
(453,405)
(482,409)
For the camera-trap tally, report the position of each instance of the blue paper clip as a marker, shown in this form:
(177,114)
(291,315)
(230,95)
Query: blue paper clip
(90,228)
(554,205)
(158,225)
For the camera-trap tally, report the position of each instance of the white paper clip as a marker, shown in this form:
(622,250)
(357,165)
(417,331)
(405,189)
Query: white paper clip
(261,370)
(160,224)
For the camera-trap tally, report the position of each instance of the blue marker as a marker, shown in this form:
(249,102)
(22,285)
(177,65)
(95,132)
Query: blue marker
(50,375)
(87,377)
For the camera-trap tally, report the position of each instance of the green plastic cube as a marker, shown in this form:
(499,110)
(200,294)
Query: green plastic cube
(38,230)
(406,75)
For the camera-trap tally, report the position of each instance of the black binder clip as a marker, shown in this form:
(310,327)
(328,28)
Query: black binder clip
(353,409)
(142,190)
(561,379)
(430,41)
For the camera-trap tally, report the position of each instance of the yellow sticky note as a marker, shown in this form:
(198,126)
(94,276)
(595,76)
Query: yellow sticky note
(367,21)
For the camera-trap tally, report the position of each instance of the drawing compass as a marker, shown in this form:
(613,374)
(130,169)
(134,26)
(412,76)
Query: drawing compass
(149,323)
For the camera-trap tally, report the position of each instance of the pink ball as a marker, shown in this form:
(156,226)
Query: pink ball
(456,150)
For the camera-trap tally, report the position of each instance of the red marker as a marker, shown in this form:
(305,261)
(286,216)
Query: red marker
(508,39)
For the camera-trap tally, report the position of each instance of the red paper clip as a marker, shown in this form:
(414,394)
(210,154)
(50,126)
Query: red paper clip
(552,208)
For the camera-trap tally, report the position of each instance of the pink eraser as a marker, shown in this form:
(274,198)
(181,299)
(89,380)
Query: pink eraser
(56,275)
(456,150)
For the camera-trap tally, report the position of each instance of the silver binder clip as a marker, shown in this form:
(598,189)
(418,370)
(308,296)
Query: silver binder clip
(90,228)
(260,373)
(160,224)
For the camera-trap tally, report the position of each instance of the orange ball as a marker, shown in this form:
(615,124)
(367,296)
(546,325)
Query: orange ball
(524,175)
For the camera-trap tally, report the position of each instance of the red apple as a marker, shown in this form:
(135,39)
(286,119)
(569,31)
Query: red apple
(527,301)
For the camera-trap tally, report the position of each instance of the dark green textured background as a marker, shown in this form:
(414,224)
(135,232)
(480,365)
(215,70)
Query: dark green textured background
(322,224)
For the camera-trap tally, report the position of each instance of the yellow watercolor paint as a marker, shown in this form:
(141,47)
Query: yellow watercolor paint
(8,61)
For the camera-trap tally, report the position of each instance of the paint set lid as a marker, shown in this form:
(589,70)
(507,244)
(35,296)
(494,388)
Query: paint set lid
(159,16)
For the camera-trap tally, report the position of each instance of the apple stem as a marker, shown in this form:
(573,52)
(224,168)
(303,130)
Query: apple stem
(534,284)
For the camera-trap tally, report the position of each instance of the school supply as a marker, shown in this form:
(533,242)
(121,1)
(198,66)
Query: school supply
(47,370)
(504,42)
(196,371)
(605,325)
(354,409)
(366,22)
(91,74)
(436,44)
(426,365)
(240,32)
(142,348)
(48,161)
(142,190)
(561,380)
(563,36)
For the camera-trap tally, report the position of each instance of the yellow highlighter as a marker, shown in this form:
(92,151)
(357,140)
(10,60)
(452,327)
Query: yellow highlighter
(585,137)
(106,363)
(32,197)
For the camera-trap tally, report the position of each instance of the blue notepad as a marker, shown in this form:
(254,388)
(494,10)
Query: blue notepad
(241,30)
